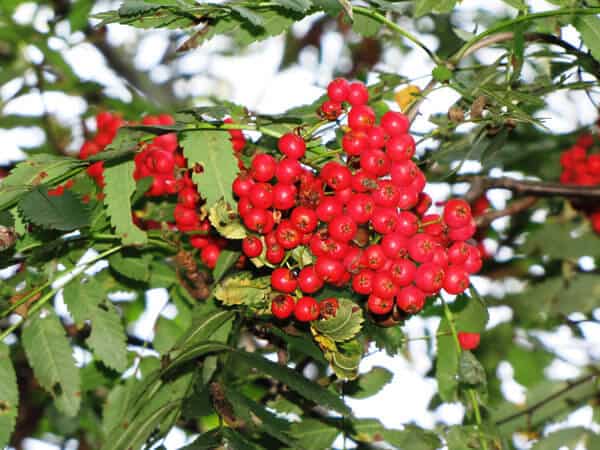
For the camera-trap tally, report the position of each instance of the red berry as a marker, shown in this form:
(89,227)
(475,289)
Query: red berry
(304,219)
(283,280)
(403,272)
(261,195)
(263,167)
(463,233)
(355,142)
(423,204)
(361,118)
(379,305)
(252,246)
(331,110)
(395,245)
(430,277)
(275,253)
(386,194)
(457,213)
(440,257)
(421,246)
(244,205)
(456,281)
(374,257)
(308,280)
(329,269)
(210,255)
(458,253)
(242,185)
(384,220)
(306,309)
(410,299)
(408,224)
(360,208)
(395,123)
(188,197)
(327,210)
(342,228)
(376,136)
(400,147)
(595,219)
(362,282)
(259,220)
(199,241)
(384,286)
(357,94)
(292,146)
(288,236)
(288,171)
(352,260)
(162,161)
(468,341)
(403,173)
(375,162)
(337,176)
(363,181)
(282,306)
(284,196)
(185,216)
(337,90)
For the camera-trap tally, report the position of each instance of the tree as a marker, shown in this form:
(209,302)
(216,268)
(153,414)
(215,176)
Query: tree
(285,276)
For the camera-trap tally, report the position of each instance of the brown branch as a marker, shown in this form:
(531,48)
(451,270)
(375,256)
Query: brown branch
(534,188)
(515,207)
(530,410)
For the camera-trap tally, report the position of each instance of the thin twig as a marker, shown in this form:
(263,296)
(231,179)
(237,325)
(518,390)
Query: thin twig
(515,207)
(534,188)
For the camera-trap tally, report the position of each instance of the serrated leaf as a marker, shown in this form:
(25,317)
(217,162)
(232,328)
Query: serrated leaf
(471,314)
(211,151)
(226,221)
(295,381)
(295,5)
(204,324)
(126,142)
(116,405)
(446,369)
(65,212)
(9,395)
(37,170)
(118,190)
(313,434)
(243,289)
(412,437)
(568,438)
(248,14)
(589,28)
(344,325)
(345,359)
(470,370)
(87,301)
(369,383)
(365,26)
(133,267)
(237,441)
(51,357)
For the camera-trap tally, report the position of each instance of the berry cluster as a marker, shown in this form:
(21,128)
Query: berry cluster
(361,216)
(162,159)
(581,166)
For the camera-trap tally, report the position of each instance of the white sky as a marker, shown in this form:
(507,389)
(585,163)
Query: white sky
(252,79)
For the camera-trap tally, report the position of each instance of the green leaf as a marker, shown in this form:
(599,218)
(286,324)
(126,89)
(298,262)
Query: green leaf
(243,289)
(116,406)
(589,28)
(236,441)
(118,190)
(446,370)
(470,370)
(248,14)
(226,221)
(568,438)
(423,7)
(560,241)
(204,324)
(528,364)
(441,74)
(413,438)
(344,325)
(227,258)
(65,212)
(390,339)
(51,358)
(37,170)
(295,381)
(313,434)
(345,358)
(211,152)
(87,301)
(295,5)
(9,395)
(208,441)
(471,314)
(133,267)
(369,383)
(365,26)
(517,4)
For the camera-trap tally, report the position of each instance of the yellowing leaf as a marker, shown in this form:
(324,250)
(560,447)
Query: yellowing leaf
(226,221)
(407,96)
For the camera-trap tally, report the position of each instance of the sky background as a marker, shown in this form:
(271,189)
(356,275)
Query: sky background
(252,79)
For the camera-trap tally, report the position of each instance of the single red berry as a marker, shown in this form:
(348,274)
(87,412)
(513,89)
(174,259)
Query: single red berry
(284,196)
(473,264)
(362,282)
(395,123)
(410,299)
(458,253)
(400,147)
(403,173)
(304,219)
(336,249)
(188,197)
(360,208)
(327,210)
(468,341)
(275,253)
(386,194)
(342,228)
(456,281)
(357,94)
(292,146)
(306,309)
(363,181)
(210,255)
(355,142)
(329,269)
(308,280)
(337,90)
(288,171)
(384,286)
(423,204)
(288,236)
(352,260)
(463,233)
(408,224)
(252,246)
(242,186)
(244,205)
(199,241)
(336,175)
(421,246)
(282,306)
(185,216)
(440,257)
(331,110)
(457,213)
(261,195)
(263,167)
(375,162)
(374,257)
(429,277)
(258,219)
(395,245)
(376,136)
(283,280)
(379,305)
(328,308)
(403,272)
(361,118)
(384,220)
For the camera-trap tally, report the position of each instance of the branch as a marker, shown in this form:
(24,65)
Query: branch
(515,207)
(534,188)
(530,410)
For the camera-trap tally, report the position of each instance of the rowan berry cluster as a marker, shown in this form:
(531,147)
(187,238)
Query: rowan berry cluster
(162,159)
(362,217)
(581,166)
